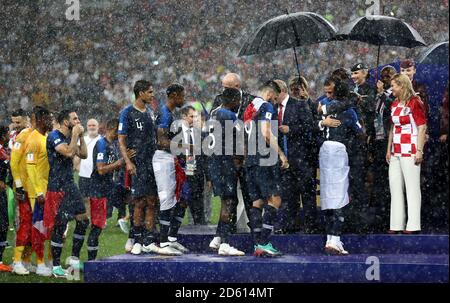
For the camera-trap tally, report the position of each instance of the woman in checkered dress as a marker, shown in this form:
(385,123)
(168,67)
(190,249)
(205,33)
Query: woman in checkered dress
(405,154)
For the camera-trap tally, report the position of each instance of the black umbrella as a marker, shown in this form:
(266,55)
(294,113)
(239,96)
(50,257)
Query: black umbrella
(381,30)
(434,54)
(288,31)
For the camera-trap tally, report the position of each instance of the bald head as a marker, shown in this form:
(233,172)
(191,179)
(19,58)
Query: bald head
(231,80)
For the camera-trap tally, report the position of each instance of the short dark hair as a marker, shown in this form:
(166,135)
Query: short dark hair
(174,88)
(186,109)
(329,81)
(271,84)
(341,90)
(40,112)
(19,113)
(141,86)
(63,115)
(230,95)
(341,74)
(112,123)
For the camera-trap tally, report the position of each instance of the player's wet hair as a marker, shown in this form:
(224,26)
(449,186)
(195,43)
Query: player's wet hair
(341,74)
(40,113)
(63,115)
(174,88)
(341,90)
(330,81)
(272,85)
(141,86)
(112,124)
(230,95)
(19,113)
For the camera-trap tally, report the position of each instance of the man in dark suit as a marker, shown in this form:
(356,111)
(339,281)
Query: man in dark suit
(232,80)
(295,138)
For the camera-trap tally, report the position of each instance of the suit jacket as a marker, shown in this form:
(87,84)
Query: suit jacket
(298,116)
(245,101)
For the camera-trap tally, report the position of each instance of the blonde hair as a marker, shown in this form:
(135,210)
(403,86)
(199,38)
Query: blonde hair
(406,85)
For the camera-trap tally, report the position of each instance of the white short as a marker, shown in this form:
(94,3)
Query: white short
(334,171)
(164,169)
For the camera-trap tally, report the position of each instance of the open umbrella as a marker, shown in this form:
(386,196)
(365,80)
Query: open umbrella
(381,30)
(288,31)
(434,54)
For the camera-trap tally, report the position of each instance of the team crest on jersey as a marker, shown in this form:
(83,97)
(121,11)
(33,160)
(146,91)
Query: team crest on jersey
(100,156)
(17,145)
(57,141)
(268,116)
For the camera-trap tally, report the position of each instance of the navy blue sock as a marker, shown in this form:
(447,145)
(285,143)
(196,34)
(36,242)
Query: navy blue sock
(164,225)
(224,231)
(270,214)
(138,234)
(92,242)
(78,237)
(256,223)
(57,242)
(178,213)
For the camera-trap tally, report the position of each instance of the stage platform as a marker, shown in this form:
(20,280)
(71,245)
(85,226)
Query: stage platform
(402,258)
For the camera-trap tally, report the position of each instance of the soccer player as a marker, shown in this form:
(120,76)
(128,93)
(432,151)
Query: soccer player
(137,132)
(105,161)
(4,167)
(24,195)
(63,201)
(224,176)
(169,176)
(37,168)
(263,176)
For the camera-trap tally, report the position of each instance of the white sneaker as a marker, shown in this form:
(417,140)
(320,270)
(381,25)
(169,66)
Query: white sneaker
(336,248)
(30,267)
(215,243)
(137,249)
(151,248)
(129,245)
(166,249)
(43,271)
(178,247)
(123,224)
(19,269)
(226,250)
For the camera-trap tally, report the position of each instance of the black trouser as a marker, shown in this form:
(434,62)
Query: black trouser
(334,220)
(296,182)
(195,203)
(359,203)
(381,196)
(248,204)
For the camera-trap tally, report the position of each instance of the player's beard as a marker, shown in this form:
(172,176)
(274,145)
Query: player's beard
(92,133)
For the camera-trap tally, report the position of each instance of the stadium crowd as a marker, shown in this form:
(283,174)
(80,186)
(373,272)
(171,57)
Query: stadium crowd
(363,142)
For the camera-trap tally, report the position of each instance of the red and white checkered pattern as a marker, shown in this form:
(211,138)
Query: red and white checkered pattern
(406,119)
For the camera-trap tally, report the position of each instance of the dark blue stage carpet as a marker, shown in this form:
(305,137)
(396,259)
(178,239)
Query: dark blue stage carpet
(372,259)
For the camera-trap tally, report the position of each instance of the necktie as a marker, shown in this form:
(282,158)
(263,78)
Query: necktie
(280,115)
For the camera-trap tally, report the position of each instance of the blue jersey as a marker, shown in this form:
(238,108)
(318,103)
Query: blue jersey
(165,120)
(140,131)
(260,111)
(104,152)
(61,167)
(222,115)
